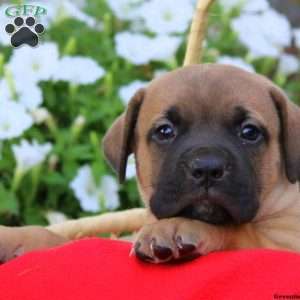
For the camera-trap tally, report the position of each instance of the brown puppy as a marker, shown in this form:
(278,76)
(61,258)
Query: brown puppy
(218,159)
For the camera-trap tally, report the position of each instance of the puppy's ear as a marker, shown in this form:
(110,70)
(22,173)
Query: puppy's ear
(119,140)
(289,114)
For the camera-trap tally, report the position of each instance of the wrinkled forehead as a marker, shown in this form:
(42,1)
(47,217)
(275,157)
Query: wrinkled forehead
(208,93)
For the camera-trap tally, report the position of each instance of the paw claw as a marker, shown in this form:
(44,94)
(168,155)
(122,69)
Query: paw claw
(184,249)
(141,255)
(162,253)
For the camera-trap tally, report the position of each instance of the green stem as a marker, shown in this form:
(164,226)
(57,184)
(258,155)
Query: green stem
(2,59)
(70,47)
(108,82)
(35,179)
(11,83)
(95,142)
(107,20)
(72,91)
(267,65)
(280,79)
(18,176)
(172,63)
(77,128)
(51,124)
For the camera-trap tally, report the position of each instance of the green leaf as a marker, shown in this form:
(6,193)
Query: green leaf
(55,178)
(8,202)
(34,215)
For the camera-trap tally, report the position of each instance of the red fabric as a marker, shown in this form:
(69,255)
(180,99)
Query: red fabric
(102,269)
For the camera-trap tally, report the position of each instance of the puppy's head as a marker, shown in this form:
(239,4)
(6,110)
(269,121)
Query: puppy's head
(211,143)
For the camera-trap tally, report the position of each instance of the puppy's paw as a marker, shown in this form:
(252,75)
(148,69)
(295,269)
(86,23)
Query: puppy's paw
(175,239)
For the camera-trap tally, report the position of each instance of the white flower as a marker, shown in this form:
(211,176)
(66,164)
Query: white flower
(78,70)
(131,168)
(85,189)
(80,3)
(288,64)
(256,6)
(164,47)
(79,122)
(14,120)
(55,217)
(34,64)
(140,49)
(277,28)
(297,37)
(168,16)
(235,61)
(73,11)
(40,115)
(5,91)
(109,192)
(28,155)
(264,34)
(93,197)
(126,92)
(58,10)
(125,9)
(28,93)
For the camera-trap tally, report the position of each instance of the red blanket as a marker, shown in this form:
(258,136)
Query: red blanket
(102,269)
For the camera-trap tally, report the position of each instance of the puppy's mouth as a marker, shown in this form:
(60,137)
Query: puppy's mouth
(215,209)
(209,212)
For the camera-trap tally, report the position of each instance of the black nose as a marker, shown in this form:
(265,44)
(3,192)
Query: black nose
(207,165)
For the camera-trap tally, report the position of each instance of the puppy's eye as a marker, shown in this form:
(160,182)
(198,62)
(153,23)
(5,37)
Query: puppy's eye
(250,133)
(164,132)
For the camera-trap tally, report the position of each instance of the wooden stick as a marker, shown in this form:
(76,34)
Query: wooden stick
(198,28)
(114,222)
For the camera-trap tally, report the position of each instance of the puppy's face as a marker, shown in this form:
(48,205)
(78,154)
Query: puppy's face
(207,141)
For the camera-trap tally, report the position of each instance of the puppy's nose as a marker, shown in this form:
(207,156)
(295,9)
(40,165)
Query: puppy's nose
(207,166)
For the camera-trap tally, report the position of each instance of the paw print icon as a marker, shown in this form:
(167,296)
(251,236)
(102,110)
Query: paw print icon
(24,32)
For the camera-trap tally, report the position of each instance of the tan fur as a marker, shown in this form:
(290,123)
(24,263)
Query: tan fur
(18,241)
(277,223)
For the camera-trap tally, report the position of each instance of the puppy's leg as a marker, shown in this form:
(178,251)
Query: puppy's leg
(16,241)
(180,238)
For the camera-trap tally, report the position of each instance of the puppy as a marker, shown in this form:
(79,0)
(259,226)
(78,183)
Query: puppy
(217,153)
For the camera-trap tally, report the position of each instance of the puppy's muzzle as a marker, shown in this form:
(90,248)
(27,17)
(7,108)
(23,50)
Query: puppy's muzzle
(207,184)
(206,166)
